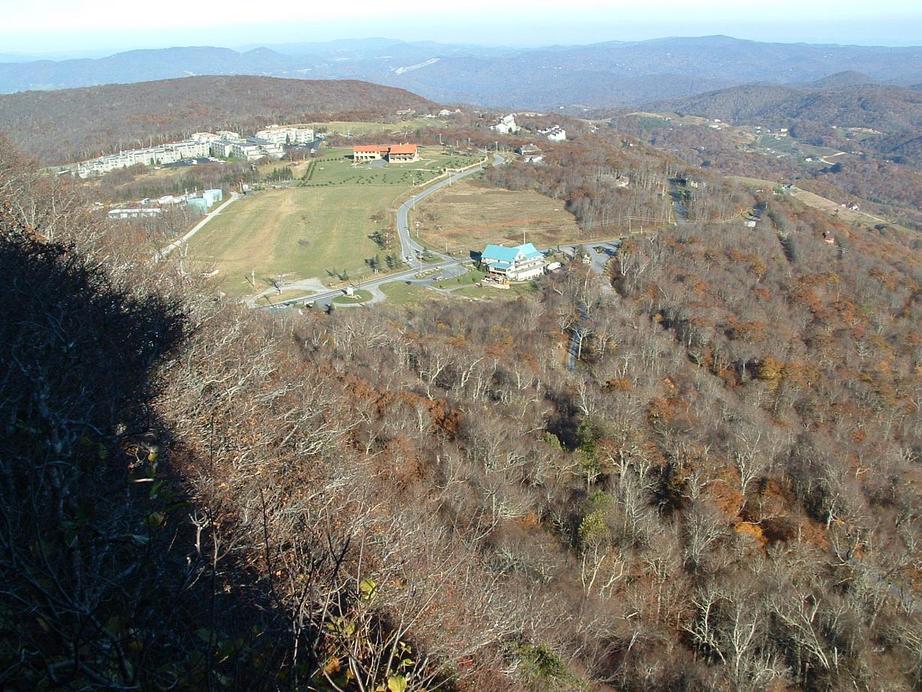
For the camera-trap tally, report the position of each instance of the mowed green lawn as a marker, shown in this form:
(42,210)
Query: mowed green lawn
(318,229)
(335,167)
(290,234)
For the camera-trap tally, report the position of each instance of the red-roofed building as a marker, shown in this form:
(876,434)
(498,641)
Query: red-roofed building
(403,152)
(396,153)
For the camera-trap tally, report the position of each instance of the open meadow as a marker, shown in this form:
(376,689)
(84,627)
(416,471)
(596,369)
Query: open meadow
(319,228)
(294,233)
(469,215)
(334,167)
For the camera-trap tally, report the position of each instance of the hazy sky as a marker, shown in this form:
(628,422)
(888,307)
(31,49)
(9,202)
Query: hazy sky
(63,26)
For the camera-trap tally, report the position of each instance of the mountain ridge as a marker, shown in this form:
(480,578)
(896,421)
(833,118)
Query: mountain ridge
(69,124)
(496,76)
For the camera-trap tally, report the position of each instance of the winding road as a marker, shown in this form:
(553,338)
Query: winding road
(410,249)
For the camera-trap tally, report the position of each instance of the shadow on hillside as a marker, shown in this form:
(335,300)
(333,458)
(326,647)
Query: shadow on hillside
(102,584)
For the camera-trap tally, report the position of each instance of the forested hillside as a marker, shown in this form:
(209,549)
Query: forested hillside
(70,124)
(822,114)
(722,494)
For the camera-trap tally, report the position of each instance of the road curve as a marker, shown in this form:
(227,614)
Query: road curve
(409,248)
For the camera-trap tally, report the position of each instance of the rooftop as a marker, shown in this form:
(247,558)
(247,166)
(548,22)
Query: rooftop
(501,253)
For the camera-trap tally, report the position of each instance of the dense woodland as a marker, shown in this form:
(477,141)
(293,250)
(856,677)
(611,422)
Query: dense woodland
(823,113)
(722,494)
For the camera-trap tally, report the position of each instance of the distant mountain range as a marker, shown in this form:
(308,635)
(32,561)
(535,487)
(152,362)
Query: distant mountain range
(598,75)
(71,124)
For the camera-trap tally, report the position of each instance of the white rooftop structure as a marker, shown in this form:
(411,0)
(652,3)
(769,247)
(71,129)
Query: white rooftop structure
(506,125)
(555,133)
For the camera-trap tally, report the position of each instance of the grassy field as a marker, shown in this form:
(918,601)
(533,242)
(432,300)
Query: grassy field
(402,293)
(293,234)
(360,296)
(317,230)
(470,214)
(469,279)
(335,167)
(490,293)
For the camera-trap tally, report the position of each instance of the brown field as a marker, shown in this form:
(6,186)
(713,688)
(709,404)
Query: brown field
(470,214)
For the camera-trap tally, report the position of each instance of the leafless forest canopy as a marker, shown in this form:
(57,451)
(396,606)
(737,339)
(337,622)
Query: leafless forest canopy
(723,494)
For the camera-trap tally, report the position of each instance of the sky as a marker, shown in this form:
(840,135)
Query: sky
(67,27)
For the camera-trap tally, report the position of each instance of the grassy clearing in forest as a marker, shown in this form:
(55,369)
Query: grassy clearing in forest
(469,215)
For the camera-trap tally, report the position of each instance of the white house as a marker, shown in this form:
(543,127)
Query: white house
(506,125)
(555,133)
(519,263)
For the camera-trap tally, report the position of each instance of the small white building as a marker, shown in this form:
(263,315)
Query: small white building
(134,213)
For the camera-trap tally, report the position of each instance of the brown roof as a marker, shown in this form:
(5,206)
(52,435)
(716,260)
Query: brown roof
(370,149)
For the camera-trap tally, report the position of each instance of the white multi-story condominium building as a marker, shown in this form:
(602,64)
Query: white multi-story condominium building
(150,156)
(199,145)
(286,134)
(204,137)
(190,149)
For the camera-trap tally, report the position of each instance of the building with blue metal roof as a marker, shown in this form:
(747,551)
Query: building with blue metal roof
(519,263)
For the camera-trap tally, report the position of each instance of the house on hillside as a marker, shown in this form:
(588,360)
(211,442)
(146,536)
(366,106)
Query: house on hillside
(555,133)
(519,263)
(530,153)
(506,125)
(395,153)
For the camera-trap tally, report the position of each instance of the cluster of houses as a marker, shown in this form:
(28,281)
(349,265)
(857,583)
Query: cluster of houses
(223,144)
(507,126)
(149,208)
(392,153)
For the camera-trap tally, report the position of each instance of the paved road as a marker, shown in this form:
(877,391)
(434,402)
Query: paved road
(164,251)
(446,266)
(409,248)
